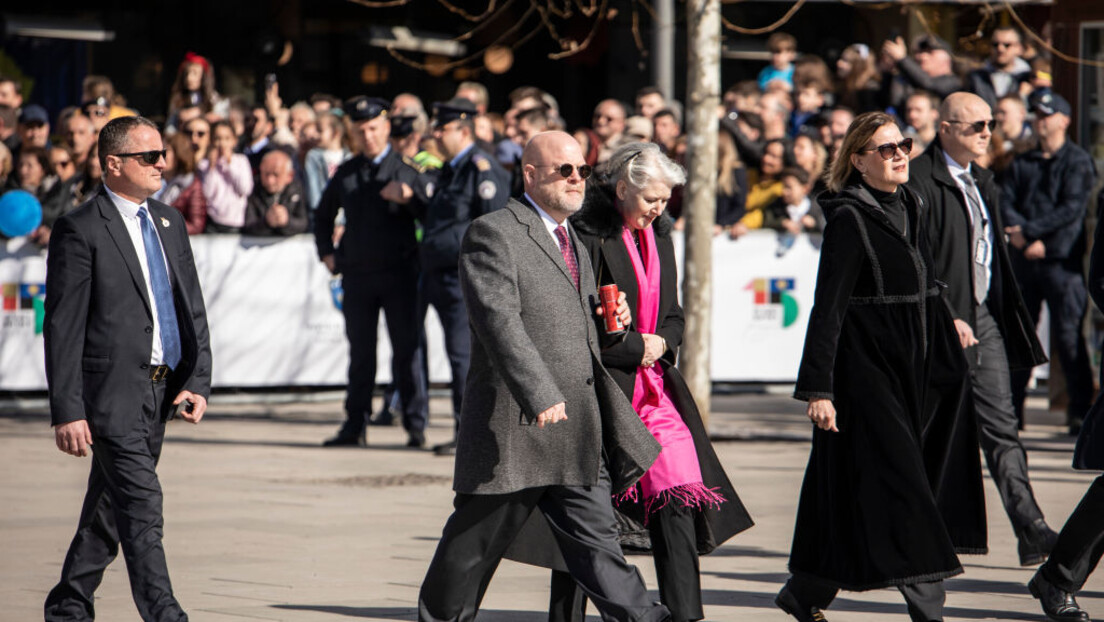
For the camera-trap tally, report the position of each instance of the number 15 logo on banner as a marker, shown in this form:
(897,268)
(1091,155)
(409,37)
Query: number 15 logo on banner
(772,303)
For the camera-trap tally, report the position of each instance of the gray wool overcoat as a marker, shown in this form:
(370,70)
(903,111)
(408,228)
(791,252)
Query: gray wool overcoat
(535,344)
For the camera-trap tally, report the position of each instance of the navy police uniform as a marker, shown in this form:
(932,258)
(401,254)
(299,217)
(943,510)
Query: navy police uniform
(377,258)
(469,185)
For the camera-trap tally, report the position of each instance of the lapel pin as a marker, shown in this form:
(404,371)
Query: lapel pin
(165,222)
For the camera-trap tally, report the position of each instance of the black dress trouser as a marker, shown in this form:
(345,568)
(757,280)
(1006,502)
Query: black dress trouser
(674,551)
(1061,285)
(396,294)
(1080,543)
(924,600)
(998,426)
(483,526)
(441,288)
(122,504)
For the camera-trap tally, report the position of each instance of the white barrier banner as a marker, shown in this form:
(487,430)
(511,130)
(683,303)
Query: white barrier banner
(273,321)
(763,288)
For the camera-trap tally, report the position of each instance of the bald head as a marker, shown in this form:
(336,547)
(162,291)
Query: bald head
(276,171)
(955,103)
(541,161)
(964,128)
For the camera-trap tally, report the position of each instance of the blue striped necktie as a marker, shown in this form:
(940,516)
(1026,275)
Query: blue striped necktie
(162,292)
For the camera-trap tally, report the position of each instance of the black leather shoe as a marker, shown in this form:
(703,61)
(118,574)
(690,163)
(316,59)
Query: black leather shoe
(787,602)
(1057,604)
(415,440)
(445,449)
(1036,543)
(345,438)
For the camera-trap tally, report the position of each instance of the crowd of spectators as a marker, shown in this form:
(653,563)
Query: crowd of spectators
(778,133)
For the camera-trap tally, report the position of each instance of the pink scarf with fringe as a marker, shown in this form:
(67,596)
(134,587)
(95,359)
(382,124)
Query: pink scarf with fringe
(676,474)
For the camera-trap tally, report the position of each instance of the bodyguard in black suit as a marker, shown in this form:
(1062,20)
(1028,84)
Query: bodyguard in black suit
(966,234)
(378,260)
(126,341)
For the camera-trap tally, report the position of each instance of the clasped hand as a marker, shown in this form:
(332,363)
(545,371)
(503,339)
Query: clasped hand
(653,349)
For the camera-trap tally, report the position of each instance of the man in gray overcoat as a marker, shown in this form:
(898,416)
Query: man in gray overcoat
(543,425)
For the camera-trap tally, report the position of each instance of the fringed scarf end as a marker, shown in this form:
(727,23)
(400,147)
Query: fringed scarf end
(695,496)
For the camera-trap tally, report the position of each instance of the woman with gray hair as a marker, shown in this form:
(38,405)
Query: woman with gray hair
(684,505)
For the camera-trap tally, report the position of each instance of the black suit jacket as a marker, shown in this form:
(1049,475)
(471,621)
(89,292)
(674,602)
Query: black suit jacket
(947,219)
(99,327)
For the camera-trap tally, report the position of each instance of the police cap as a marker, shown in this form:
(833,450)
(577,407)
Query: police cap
(366,108)
(453,109)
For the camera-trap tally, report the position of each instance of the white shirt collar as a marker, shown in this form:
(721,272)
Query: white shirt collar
(549,222)
(955,168)
(126,207)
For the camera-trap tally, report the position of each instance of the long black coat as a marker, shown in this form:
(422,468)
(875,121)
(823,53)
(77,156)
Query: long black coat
(889,498)
(947,221)
(599,227)
(1089,453)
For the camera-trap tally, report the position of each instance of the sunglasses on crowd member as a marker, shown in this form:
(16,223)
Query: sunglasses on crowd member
(198,133)
(565,170)
(976,126)
(888,150)
(149,158)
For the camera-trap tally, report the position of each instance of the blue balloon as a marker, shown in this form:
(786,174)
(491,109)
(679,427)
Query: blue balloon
(20,213)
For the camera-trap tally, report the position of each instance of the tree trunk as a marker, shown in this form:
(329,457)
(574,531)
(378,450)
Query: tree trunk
(703,90)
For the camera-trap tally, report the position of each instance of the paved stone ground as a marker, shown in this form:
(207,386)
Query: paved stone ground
(263,524)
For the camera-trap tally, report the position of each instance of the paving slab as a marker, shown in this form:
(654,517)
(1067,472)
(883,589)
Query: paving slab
(261,523)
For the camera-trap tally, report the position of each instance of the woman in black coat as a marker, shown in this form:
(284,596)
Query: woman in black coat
(893,486)
(685,502)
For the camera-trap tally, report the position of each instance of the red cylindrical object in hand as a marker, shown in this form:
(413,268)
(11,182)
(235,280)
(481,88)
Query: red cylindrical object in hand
(609,295)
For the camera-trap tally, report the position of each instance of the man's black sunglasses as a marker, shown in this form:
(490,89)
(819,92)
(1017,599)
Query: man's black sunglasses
(976,126)
(149,158)
(888,150)
(565,169)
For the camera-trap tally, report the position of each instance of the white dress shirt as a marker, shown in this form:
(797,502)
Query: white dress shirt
(129,211)
(957,170)
(549,222)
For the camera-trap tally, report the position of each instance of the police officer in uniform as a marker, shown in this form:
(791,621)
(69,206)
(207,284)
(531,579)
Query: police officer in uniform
(377,258)
(470,184)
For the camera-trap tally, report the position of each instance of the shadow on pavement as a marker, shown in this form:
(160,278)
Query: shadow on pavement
(410,613)
(763,600)
(746,551)
(290,444)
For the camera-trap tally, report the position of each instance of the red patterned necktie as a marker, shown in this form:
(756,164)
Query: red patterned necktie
(568,254)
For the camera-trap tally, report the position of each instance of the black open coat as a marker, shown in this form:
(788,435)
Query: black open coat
(891,497)
(1089,453)
(947,220)
(598,225)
